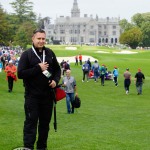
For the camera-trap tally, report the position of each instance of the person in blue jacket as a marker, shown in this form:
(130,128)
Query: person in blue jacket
(115,75)
(85,69)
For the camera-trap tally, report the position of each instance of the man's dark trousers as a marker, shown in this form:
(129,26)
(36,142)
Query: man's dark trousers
(38,112)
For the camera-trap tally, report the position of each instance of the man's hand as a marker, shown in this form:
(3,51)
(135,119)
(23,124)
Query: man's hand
(44,66)
(52,83)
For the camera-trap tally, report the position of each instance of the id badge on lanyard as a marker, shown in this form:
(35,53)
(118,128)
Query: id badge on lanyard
(45,72)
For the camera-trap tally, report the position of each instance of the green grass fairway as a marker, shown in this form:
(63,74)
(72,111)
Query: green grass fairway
(108,118)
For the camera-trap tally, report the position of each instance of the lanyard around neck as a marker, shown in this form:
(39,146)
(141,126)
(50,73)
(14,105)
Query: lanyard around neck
(38,55)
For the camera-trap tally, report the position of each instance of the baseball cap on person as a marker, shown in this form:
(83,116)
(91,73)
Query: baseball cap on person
(10,61)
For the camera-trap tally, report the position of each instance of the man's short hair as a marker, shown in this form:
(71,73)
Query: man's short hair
(38,30)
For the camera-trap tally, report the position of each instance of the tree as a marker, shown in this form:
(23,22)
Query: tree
(125,25)
(4,34)
(24,34)
(143,22)
(131,37)
(41,21)
(145,28)
(23,9)
(137,19)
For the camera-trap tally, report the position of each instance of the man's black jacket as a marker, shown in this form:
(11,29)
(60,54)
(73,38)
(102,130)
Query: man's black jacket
(35,82)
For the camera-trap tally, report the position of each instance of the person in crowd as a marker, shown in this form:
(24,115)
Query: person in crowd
(76,60)
(3,60)
(102,74)
(1,66)
(66,66)
(95,69)
(115,75)
(69,83)
(68,62)
(62,66)
(41,73)
(139,80)
(127,80)
(89,62)
(80,59)
(85,69)
(6,63)
(91,74)
(11,70)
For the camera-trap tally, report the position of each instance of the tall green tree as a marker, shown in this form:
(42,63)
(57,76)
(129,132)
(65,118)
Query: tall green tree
(24,10)
(4,26)
(131,37)
(41,20)
(143,22)
(24,34)
(145,28)
(125,25)
(137,19)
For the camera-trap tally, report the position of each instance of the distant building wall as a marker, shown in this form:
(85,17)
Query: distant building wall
(87,30)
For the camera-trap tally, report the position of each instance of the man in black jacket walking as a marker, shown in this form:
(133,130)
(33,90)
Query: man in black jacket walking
(139,80)
(40,71)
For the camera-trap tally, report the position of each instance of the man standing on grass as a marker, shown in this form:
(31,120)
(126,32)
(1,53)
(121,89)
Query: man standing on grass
(127,80)
(69,83)
(80,59)
(139,80)
(102,74)
(85,69)
(95,69)
(115,75)
(40,71)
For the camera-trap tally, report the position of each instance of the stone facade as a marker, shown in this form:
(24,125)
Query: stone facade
(83,30)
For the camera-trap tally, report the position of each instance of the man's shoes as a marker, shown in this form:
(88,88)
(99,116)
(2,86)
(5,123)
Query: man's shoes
(9,90)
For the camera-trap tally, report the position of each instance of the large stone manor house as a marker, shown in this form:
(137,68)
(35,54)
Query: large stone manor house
(75,29)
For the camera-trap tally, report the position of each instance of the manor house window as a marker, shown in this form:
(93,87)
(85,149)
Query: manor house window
(114,27)
(62,31)
(82,39)
(91,40)
(99,32)
(73,39)
(77,31)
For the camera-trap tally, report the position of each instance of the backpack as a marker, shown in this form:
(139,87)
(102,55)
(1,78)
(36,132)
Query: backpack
(86,67)
(96,67)
(77,102)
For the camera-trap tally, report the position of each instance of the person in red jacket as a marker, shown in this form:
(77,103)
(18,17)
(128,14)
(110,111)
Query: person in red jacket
(80,59)
(10,70)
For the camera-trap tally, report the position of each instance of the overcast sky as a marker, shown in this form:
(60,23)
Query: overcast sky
(103,8)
